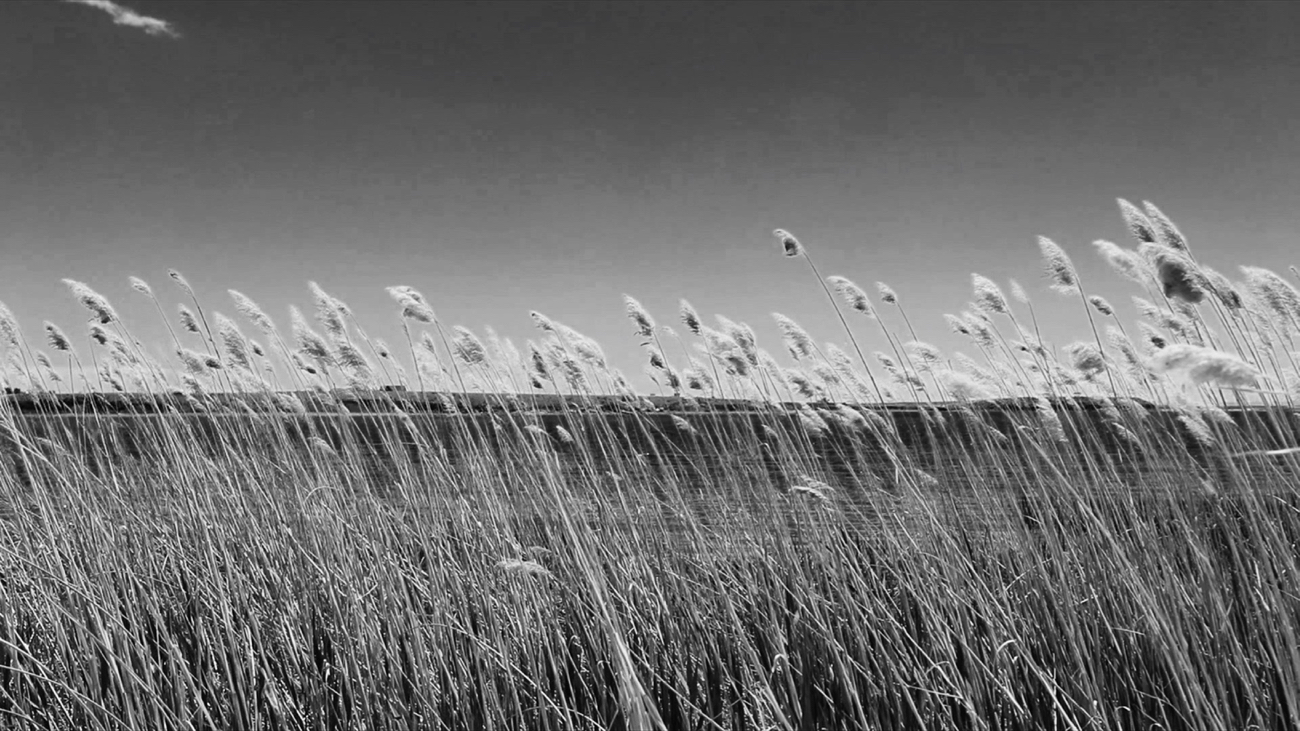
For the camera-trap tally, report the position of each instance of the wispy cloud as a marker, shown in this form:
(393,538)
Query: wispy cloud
(130,18)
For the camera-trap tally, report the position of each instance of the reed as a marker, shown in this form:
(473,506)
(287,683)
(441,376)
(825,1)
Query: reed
(1095,535)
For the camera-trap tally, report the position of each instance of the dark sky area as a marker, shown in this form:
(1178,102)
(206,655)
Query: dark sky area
(505,157)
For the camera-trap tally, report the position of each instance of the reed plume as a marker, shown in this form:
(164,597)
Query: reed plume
(92,301)
(245,306)
(1128,263)
(1177,274)
(1061,273)
(414,307)
(645,325)
(887,294)
(796,338)
(1137,221)
(988,295)
(789,244)
(854,296)
(1167,234)
(690,318)
(188,322)
(141,286)
(1205,366)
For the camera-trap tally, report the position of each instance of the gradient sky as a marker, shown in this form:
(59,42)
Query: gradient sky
(505,157)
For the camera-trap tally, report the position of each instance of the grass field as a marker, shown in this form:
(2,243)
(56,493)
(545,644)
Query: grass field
(318,531)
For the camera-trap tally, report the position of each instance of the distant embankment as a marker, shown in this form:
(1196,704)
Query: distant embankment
(978,465)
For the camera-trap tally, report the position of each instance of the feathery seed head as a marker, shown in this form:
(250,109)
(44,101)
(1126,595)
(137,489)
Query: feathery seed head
(988,296)
(309,342)
(194,362)
(9,326)
(1086,359)
(142,287)
(92,301)
(925,353)
(413,304)
(249,309)
(329,311)
(1060,270)
(1178,275)
(956,324)
(1223,289)
(854,296)
(1050,420)
(690,318)
(1138,223)
(542,321)
(355,361)
(887,295)
(645,326)
(812,421)
(1167,234)
(188,321)
(233,341)
(57,338)
(180,281)
(1153,337)
(1019,293)
(1101,305)
(100,335)
(466,346)
(789,243)
(962,386)
(796,338)
(521,567)
(1205,366)
(1274,291)
(1124,261)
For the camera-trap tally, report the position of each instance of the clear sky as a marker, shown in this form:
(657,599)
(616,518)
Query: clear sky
(505,157)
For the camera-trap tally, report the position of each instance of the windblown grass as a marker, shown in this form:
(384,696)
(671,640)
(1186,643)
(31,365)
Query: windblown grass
(1092,535)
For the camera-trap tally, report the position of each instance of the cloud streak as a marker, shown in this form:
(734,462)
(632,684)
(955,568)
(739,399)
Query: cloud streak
(130,18)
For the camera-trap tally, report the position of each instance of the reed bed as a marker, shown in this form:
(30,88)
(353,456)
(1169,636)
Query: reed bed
(306,528)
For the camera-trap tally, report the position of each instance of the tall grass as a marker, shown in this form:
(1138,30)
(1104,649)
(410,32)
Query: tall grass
(1098,534)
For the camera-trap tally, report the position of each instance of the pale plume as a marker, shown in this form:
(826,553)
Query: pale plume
(854,296)
(887,294)
(1060,270)
(789,244)
(188,322)
(988,296)
(1167,233)
(141,286)
(1138,222)
(645,325)
(796,338)
(57,338)
(248,308)
(413,304)
(1205,366)
(1124,261)
(92,301)
(690,318)
(1101,305)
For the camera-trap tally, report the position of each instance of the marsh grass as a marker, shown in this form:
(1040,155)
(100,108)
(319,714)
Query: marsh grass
(1096,536)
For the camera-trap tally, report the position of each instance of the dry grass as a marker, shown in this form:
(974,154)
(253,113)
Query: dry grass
(1096,536)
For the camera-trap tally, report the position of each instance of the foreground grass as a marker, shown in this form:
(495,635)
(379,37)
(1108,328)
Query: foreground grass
(1094,541)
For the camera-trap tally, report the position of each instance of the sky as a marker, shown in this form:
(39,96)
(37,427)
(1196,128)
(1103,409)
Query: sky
(508,157)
